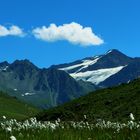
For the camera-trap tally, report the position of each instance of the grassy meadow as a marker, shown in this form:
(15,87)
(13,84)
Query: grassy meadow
(101,130)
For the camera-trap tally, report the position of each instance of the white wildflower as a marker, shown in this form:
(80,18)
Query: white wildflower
(58,120)
(8,129)
(85,116)
(132,117)
(13,138)
(4,117)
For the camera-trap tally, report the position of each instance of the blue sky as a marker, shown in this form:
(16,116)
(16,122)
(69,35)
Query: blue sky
(117,22)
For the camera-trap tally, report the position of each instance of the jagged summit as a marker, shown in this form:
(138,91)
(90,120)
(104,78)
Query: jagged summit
(23,64)
(113,51)
(5,63)
(113,58)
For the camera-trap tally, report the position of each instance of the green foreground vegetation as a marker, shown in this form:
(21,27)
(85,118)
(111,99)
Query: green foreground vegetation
(72,134)
(13,108)
(34,130)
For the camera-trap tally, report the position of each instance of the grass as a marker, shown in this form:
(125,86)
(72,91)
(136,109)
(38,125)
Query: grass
(34,130)
(72,134)
(13,108)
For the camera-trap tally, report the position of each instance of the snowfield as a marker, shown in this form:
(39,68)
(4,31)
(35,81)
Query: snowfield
(27,93)
(84,64)
(96,76)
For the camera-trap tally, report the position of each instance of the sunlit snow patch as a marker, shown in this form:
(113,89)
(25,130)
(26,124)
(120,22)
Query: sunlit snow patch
(28,94)
(15,89)
(96,76)
(4,69)
(109,52)
(84,64)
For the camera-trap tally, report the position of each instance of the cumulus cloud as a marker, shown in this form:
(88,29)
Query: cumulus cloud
(11,31)
(73,32)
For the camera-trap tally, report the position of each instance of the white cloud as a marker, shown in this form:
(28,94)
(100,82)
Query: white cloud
(73,32)
(12,31)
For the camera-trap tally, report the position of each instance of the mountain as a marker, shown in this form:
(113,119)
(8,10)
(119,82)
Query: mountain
(112,68)
(42,87)
(13,108)
(114,104)
(49,87)
(127,74)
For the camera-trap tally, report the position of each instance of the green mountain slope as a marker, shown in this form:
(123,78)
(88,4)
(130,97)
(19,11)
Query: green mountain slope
(12,108)
(113,104)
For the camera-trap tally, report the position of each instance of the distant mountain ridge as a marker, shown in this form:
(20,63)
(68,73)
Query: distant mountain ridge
(109,69)
(42,87)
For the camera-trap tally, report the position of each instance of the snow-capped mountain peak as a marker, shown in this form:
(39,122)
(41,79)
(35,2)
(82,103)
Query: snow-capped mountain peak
(110,51)
(98,68)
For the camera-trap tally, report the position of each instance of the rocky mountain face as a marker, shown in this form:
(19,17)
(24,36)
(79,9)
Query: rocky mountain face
(127,74)
(106,70)
(42,87)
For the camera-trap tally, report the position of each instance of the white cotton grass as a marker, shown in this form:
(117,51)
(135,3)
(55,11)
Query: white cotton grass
(85,117)
(4,117)
(132,117)
(13,138)
(10,126)
(8,129)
